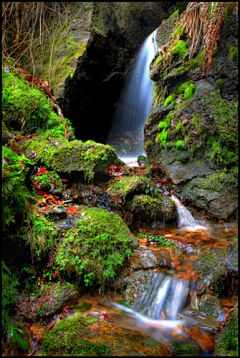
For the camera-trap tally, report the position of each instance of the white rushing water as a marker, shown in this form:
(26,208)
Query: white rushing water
(185,218)
(136,100)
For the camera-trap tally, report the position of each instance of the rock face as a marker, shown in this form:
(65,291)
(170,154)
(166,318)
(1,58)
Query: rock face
(117,30)
(192,129)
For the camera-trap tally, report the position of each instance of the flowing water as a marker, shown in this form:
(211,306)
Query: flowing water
(185,218)
(135,102)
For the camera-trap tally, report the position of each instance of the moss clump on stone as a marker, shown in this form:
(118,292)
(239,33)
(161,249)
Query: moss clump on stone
(159,207)
(63,156)
(180,144)
(128,186)
(180,50)
(170,100)
(98,245)
(234,53)
(83,335)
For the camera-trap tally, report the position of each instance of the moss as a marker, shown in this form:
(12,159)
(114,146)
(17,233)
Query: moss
(180,50)
(179,126)
(162,137)
(89,157)
(159,207)
(180,144)
(192,64)
(128,186)
(234,53)
(189,91)
(228,339)
(98,245)
(170,100)
(24,106)
(220,84)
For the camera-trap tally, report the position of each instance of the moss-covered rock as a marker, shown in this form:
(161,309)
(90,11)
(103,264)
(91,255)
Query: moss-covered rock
(194,119)
(83,335)
(211,269)
(97,246)
(63,156)
(210,305)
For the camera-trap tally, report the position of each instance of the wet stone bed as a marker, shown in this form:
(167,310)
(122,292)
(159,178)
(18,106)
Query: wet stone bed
(196,337)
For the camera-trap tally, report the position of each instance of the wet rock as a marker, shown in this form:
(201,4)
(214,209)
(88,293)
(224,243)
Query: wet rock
(57,213)
(200,319)
(210,305)
(146,259)
(92,336)
(211,269)
(51,299)
(232,258)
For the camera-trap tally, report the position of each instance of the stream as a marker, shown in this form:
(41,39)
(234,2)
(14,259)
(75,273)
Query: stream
(158,312)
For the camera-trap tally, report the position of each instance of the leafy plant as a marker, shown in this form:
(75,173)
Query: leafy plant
(170,100)
(160,241)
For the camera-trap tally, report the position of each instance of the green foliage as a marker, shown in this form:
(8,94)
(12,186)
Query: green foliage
(160,241)
(183,87)
(189,91)
(9,296)
(170,100)
(45,235)
(234,53)
(16,197)
(24,106)
(180,144)
(96,247)
(9,292)
(166,122)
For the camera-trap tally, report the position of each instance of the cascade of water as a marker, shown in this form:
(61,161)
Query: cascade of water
(185,218)
(164,296)
(135,103)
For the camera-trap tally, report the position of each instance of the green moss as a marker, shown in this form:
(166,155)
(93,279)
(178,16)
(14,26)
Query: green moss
(170,100)
(234,53)
(89,157)
(180,50)
(220,84)
(162,137)
(68,338)
(179,126)
(24,106)
(99,244)
(228,339)
(192,64)
(180,144)
(189,91)
(127,186)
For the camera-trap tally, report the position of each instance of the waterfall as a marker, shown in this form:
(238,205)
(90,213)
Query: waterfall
(135,102)
(185,218)
(164,296)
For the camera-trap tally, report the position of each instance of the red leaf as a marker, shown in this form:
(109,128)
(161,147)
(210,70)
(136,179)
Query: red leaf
(43,170)
(73,210)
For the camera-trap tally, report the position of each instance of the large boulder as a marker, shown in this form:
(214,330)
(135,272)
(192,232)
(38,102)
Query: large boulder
(192,129)
(83,335)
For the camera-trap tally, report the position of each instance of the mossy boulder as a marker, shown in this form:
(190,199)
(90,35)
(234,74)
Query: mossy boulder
(211,269)
(148,209)
(97,246)
(83,335)
(192,129)
(140,196)
(49,300)
(75,156)
(210,305)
